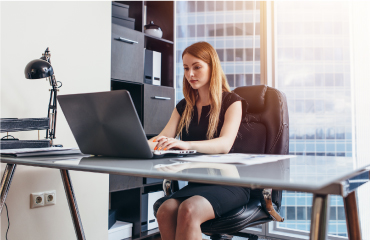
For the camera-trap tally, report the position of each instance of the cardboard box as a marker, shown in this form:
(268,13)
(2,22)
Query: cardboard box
(120,230)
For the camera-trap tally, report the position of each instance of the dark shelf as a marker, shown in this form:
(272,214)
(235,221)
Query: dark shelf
(126,193)
(162,13)
(149,233)
(157,38)
(146,234)
(130,188)
(136,12)
(152,184)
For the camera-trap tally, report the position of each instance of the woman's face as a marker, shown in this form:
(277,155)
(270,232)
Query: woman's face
(197,72)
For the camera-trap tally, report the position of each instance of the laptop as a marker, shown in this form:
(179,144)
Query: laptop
(107,124)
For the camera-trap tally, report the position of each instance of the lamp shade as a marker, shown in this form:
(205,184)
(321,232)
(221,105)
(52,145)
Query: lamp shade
(38,68)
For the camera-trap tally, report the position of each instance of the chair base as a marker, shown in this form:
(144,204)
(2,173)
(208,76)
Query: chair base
(221,237)
(229,237)
(252,237)
(247,235)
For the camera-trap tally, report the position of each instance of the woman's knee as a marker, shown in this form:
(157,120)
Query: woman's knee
(167,210)
(187,211)
(195,210)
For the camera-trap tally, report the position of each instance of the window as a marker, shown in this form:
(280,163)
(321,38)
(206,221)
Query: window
(231,27)
(312,69)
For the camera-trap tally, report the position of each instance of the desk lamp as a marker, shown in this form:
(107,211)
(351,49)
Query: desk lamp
(41,68)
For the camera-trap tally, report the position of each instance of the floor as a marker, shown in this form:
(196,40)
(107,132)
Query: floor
(234,238)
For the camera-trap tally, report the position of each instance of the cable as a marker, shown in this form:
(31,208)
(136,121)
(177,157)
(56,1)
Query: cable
(7,215)
(7,137)
(60,84)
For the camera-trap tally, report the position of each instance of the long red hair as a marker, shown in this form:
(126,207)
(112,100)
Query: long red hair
(218,84)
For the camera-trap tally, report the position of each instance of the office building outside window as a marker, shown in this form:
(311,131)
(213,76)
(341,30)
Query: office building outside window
(312,67)
(231,27)
(313,70)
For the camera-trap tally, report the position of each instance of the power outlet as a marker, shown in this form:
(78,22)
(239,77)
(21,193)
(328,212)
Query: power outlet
(50,197)
(37,200)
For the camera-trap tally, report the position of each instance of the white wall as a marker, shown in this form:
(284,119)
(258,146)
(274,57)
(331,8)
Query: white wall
(78,35)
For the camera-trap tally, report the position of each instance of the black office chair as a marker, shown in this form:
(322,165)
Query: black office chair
(265,130)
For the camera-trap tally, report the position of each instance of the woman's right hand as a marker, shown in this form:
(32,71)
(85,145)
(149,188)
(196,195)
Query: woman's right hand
(165,143)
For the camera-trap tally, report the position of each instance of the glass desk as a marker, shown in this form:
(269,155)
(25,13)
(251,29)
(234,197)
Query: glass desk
(319,175)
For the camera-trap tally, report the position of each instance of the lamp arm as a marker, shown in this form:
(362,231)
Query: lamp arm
(46,55)
(52,109)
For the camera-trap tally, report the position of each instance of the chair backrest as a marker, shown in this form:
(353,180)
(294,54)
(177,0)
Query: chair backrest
(265,129)
(266,122)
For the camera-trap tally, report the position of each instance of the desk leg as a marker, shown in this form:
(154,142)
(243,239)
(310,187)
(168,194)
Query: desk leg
(319,217)
(5,183)
(72,204)
(353,224)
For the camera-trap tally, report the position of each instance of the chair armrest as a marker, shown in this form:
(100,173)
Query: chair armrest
(266,198)
(167,187)
(269,206)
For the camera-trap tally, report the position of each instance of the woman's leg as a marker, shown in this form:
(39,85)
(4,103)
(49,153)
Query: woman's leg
(167,218)
(191,214)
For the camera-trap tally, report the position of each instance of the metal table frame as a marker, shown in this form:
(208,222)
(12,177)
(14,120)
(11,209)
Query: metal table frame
(319,215)
(68,188)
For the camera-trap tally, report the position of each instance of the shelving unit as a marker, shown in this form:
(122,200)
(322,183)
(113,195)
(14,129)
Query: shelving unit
(162,13)
(128,73)
(128,62)
(128,200)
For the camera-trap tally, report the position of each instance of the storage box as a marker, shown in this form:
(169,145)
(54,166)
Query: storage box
(23,124)
(152,67)
(148,220)
(120,230)
(120,10)
(16,144)
(126,22)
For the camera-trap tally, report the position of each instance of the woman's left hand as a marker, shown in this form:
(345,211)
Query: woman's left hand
(165,143)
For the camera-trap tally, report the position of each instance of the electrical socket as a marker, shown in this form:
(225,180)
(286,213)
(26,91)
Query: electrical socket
(37,200)
(42,199)
(50,197)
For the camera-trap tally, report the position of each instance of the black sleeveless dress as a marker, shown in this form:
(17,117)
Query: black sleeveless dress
(222,198)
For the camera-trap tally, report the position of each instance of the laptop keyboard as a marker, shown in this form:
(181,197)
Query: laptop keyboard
(161,152)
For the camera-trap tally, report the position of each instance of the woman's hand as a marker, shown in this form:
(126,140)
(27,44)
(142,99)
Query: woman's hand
(165,143)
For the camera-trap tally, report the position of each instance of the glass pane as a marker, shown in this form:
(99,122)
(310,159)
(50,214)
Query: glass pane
(239,54)
(229,27)
(200,6)
(311,52)
(191,31)
(200,30)
(230,80)
(220,30)
(220,53)
(220,6)
(210,6)
(191,6)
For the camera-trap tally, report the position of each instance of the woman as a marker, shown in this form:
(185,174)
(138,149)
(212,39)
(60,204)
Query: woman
(207,120)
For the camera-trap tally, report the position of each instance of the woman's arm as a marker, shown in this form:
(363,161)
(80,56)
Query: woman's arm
(169,130)
(222,144)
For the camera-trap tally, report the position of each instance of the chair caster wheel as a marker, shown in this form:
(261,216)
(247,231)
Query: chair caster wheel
(253,237)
